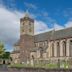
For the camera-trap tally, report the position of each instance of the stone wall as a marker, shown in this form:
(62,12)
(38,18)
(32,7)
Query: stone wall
(37,70)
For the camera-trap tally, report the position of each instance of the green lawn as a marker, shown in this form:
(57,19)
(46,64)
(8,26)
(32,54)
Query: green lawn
(37,65)
(18,65)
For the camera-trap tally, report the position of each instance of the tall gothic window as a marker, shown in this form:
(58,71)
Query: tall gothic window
(46,44)
(58,49)
(52,49)
(36,44)
(70,49)
(23,24)
(22,30)
(41,52)
(64,48)
(30,28)
(22,27)
(40,44)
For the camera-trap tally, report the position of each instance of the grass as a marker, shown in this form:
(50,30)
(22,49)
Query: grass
(25,65)
(38,65)
(51,66)
(18,65)
(35,66)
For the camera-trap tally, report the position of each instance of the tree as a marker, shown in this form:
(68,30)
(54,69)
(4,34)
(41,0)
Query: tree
(6,55)
(2,50)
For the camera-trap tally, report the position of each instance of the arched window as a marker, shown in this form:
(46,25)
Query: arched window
(46,44)
(23,24)
(41,52)
(22,30)
(64,48)
(30,27)
(32,57)
(58,49)
(52,49)
(70,49)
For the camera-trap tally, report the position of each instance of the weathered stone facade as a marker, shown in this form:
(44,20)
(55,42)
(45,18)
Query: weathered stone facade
(27,43)
(23,47)
(51,45)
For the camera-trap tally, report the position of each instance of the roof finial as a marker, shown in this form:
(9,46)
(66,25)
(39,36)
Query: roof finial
(26,13)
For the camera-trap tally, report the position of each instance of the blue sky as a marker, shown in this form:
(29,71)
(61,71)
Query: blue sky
(56,9)
(47,14)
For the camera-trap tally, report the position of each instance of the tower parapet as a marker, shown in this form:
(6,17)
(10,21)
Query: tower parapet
(26,25)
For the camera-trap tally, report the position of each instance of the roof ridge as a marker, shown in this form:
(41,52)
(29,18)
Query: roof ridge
(55,31)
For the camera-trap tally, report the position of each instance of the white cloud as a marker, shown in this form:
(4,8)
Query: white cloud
(68,24)
(9,25)
(58,27)
(40,27)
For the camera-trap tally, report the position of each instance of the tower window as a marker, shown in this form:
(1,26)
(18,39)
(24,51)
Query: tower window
(23,23)
(30,30)
(30,27)
(29,24)
(22,30)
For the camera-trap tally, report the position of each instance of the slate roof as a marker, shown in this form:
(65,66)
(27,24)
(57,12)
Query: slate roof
(53,35)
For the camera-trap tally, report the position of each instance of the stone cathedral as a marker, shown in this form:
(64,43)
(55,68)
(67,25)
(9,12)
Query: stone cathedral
(52,45)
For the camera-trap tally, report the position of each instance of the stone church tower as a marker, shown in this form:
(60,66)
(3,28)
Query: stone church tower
(26,25)
(26,37)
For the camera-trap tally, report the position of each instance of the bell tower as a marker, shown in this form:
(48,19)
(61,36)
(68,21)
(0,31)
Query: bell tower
(26,25)
(26,37)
